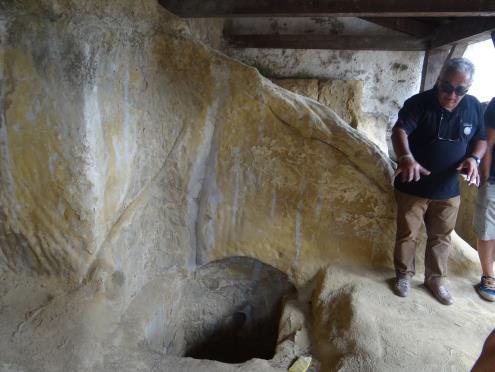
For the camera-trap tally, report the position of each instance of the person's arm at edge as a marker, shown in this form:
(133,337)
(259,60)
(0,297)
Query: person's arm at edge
(486,361)
(486,163)
(477,149)
(408,168)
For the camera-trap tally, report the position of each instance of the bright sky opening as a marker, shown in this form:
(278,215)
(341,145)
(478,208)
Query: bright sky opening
(483,56)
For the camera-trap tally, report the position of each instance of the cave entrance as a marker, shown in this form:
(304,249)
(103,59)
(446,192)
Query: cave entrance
(236,339)
(231,310)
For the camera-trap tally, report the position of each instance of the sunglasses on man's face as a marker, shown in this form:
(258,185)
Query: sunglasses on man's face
(448,88)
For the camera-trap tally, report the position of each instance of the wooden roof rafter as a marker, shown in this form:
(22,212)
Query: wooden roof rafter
(425,24)
(329,8)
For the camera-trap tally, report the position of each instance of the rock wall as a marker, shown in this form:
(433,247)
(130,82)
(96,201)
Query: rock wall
(343,97)
(464,224)
(389,78)
(105,148)
(207,30)
(86,133)
(293,173)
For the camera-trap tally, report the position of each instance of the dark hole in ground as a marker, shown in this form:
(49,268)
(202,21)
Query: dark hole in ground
(240,338)
(236,311)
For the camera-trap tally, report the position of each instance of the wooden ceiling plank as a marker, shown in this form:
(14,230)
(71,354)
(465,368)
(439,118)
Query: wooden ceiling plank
(408,26)
(464,29)
(304,8)
(331,42)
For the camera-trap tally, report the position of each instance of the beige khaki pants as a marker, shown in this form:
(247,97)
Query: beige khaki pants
(439,218)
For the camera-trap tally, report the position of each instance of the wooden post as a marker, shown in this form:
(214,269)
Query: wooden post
(432,64)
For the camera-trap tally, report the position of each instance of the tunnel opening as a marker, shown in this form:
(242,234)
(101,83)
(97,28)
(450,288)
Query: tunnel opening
(238,338)
(228,312)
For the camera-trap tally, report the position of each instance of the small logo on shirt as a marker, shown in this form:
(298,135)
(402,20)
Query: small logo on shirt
(467,128)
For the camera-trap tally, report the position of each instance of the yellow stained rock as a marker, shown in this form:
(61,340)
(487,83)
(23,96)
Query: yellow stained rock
(301,364)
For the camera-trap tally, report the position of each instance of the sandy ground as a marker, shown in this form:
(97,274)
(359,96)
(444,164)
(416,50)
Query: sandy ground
(384,332)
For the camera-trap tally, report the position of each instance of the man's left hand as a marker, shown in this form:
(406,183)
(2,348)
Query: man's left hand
(472,174)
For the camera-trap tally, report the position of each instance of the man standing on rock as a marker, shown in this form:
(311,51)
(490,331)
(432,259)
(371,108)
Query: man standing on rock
(484,218)
(439,132)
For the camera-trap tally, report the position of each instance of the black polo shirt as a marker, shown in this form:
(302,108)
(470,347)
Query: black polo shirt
(490,123)
(439,140)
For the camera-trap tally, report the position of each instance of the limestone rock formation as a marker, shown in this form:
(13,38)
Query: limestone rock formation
(464,225)
(108,125)
(343,97)
(131,156)
(305,87)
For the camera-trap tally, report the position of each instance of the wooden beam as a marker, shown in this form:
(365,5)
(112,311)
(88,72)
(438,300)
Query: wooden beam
(432,64)
(464,29)
(305,8)
(335,42)
(407,26)
(434,61)
(457,50)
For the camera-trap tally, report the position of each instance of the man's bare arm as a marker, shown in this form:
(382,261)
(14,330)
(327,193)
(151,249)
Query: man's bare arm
(486,361)
(407,167)
(487,158)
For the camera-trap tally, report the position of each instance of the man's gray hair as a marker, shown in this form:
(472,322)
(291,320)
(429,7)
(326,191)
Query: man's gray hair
(462,65)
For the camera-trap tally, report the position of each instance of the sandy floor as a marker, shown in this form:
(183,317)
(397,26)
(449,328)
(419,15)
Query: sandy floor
(387,333)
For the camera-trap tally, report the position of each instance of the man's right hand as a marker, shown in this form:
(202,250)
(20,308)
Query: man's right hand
(409,170)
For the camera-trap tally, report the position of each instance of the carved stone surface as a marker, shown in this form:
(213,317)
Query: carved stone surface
(131,155)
